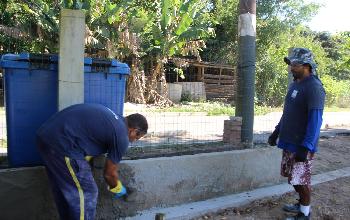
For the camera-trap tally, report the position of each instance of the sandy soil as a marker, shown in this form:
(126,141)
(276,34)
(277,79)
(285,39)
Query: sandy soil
(334,153)
(330,200)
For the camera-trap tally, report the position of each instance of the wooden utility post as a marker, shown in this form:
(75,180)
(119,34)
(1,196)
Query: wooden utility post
(246,68)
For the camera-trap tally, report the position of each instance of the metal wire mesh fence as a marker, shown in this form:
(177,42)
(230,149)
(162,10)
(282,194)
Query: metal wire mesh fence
(172,129)
(203,93)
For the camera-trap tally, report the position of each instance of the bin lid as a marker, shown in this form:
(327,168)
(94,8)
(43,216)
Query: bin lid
(31,57)
(24,60)
(12,60)
(113,65)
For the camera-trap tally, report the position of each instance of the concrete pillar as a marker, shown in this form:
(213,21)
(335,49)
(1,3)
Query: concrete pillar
(71,58)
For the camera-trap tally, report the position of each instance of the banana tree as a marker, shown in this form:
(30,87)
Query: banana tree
(33,25)
(177,27)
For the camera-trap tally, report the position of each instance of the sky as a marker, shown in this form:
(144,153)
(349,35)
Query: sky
(334,16)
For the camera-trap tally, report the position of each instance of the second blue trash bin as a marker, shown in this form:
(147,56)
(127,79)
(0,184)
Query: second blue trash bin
(104,83)
(31,91)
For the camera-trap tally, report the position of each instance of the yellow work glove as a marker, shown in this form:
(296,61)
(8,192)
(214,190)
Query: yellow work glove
(119,191)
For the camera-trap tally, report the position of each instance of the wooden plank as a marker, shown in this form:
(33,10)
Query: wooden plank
(218,76)
(216,91)
(215,81)
(221,86)
(215,66)
(214,86)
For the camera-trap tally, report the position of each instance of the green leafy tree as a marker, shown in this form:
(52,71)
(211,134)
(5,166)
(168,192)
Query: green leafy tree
(29,26)
(177,27)
(337,47)
(272,80)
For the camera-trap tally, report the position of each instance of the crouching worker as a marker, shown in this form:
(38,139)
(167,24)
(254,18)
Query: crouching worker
(78,132)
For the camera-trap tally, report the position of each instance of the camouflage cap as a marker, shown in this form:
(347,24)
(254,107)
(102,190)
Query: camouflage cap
(302,56)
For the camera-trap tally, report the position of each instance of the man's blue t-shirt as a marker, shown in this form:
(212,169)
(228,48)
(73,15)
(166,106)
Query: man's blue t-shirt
(86,130)
(301,99)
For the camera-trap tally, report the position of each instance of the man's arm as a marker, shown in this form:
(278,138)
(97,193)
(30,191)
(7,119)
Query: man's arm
(312,133)
(111,173)
(314,124)
(315,103)
(111,177)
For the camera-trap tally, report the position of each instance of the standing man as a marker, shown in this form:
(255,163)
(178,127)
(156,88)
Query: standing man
(299,128)
(73,135)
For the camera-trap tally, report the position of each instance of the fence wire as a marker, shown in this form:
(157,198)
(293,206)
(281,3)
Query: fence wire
(203,93)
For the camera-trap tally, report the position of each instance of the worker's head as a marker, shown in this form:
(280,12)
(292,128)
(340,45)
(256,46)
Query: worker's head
(301,62)
(137,126)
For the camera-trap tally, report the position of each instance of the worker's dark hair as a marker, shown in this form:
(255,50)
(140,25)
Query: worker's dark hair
(137,121)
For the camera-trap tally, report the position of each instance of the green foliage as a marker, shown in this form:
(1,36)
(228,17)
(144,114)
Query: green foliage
(223,48)
(214,108)
(174,25)
(274,17)
(29,26)
(272,72)
(337,92)
(337,47)
(186,97)
(210,108)
(162,29)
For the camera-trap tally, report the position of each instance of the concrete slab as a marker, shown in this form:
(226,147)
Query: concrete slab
(156,182)
(25,194)
(169,181)
(196,209)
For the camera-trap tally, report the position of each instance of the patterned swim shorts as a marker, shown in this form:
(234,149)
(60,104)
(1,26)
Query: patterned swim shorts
(298,173)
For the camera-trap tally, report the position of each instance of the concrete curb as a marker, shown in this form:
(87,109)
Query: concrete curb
(196,209)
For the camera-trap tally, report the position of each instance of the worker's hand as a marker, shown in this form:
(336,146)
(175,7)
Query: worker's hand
(301,154)
(273,138)
(119,191)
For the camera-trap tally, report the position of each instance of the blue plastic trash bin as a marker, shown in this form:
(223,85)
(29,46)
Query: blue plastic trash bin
(30,99)
(104,83)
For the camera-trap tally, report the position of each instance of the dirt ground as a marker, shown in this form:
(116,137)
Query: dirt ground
(330,200)
(333,153)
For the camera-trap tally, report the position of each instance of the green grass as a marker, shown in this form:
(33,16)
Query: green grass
(263,110)
(217,108)
(3,143)
(336,109)
(212,108)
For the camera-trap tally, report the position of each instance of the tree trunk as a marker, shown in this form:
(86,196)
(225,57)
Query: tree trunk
(136,83)
(158,75)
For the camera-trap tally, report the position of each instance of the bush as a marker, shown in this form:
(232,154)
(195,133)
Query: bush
(186,97)
(337,92)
